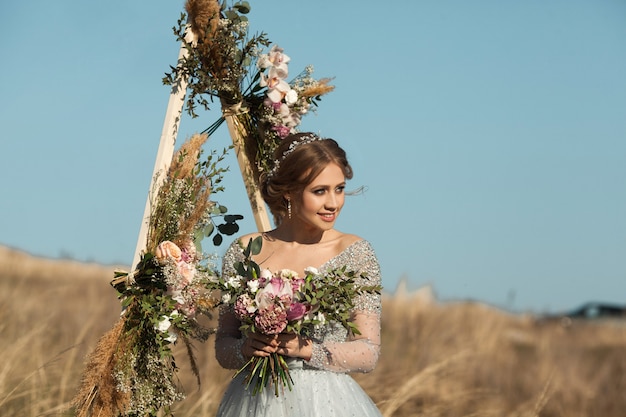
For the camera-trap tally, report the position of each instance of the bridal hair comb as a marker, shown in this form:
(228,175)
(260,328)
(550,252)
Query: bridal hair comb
(303,140)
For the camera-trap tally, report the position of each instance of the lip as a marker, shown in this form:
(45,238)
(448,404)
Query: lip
(328,217)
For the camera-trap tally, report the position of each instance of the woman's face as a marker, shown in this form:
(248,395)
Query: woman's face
(322,199)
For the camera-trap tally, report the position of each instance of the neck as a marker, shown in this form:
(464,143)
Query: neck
(289,231)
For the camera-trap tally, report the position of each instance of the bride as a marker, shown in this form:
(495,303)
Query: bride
(305,192)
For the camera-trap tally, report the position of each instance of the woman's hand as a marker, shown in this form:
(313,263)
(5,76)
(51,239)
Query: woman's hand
(256,344)
(286,344)
(290,344)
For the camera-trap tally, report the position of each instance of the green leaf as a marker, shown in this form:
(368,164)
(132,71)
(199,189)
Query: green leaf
(208,229)
(228,228)
(240,268)
(231,15)
(127,301)
(232,218)
(254,271)
(242,7)
(256,244)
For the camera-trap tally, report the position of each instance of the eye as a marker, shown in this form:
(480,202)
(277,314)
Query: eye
(319,191)
(340,189)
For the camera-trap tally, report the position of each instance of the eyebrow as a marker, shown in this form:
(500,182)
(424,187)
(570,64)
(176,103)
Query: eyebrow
(328,186)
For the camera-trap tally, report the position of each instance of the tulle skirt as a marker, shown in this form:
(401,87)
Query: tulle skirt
(314,393)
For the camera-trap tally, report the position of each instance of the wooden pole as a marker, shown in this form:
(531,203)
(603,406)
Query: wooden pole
(237,133)
(165,151)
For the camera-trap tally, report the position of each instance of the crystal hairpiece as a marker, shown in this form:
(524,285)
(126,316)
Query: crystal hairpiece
(308,138)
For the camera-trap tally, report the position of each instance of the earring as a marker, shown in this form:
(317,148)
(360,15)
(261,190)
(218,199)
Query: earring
(289,209)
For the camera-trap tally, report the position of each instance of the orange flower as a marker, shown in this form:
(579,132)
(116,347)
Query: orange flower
(168,250)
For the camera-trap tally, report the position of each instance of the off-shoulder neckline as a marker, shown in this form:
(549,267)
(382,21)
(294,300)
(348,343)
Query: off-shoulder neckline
(325,264)
(350,246)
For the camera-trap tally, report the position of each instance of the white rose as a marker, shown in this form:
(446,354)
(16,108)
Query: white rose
(291,97)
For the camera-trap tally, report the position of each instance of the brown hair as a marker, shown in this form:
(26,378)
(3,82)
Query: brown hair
(301,157)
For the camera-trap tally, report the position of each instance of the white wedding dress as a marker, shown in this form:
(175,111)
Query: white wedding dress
(322,386)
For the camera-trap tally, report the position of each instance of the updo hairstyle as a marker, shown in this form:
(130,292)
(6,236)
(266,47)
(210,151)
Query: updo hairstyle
(301,157)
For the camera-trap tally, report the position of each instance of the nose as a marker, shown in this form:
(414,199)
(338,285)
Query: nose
(331,202)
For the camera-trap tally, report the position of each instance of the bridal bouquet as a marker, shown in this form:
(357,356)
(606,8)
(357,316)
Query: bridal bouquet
(284,302)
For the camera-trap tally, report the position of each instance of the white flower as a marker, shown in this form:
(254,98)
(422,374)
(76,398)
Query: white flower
(234,281)
(275,58)
(178,297)
(171,337)
(320,317)
(266,274)
(164,324)
(253,285)
(309,270)
(277,90)
(226,297)
(291,97)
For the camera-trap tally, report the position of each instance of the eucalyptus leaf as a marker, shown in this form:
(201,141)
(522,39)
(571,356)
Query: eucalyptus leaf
(240,268)
(208,229)
(232,218)
(217,239)
(256,244)
(231,15)
(228,228)
(242,7)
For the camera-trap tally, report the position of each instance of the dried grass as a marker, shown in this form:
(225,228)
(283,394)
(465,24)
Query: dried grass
(438,360)
(185,159)
(97,394)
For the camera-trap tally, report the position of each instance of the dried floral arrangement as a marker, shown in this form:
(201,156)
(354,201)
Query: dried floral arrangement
(132,370)
(247,77)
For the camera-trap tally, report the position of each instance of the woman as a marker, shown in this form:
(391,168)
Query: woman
(305,192)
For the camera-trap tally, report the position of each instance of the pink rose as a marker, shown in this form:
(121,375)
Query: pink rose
(297,311)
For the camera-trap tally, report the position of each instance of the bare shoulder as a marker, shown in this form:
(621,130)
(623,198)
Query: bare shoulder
(347,239)
(244,239)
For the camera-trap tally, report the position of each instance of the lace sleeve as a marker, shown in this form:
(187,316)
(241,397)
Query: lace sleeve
(228,339)
(355,353)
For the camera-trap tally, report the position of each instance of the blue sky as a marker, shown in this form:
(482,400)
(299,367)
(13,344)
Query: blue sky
(491,135)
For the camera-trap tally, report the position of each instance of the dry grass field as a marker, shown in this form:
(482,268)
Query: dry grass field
(439,359)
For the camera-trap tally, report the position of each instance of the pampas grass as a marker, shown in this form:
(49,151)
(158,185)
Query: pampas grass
(438,359)
(97,394)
